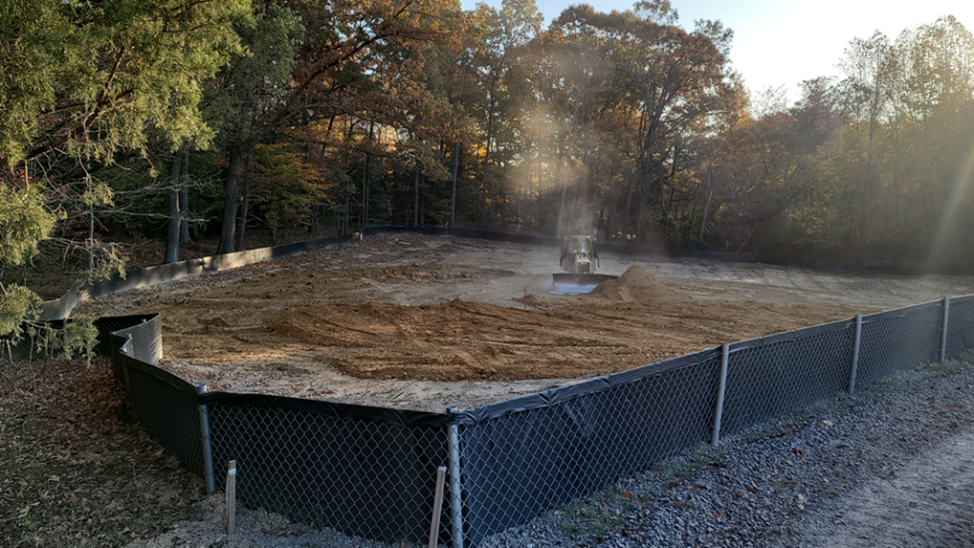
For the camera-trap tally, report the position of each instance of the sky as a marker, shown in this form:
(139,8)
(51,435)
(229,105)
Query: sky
(784,42)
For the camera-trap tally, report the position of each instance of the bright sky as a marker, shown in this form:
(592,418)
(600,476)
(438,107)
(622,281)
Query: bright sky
(783,42)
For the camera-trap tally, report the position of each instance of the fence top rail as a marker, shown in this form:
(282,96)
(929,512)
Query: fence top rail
(558,395)
(400,417)
(793,335)
(158,373)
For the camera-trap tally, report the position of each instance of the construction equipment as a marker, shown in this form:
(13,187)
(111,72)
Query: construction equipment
(579,259)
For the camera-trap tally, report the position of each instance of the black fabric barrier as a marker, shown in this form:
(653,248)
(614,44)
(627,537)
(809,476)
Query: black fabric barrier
(168,409)
(396,417)
(960,326)
(525,457)
(153,275)
(566,393)
(150,341)
(637,250)
(363,471)
(773,375)
(894,340)
(367,478)
(149,276)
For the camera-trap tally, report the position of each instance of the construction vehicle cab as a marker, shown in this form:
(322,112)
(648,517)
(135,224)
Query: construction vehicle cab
(579,260)
(579,255)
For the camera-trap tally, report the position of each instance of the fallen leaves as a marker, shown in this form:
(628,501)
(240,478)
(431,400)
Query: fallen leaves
(78,473)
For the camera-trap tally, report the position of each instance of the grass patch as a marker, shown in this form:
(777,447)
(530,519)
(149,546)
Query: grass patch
(949,366)
(582,518)
(887,385)
(687,466)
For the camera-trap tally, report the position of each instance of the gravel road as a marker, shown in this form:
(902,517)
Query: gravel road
(889,467)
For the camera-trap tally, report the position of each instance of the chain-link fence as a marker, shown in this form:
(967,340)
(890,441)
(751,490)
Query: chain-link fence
(359,471)
(522,458)
(370,473)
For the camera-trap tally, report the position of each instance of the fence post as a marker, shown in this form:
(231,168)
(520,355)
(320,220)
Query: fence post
(456,506)
(207,447)
(721,387)
(943,335)
(855,354)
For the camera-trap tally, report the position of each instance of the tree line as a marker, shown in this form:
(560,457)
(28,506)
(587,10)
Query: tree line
(181,118)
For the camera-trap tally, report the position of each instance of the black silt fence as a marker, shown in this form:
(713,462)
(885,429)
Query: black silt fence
(522,457)
(364,472)
(776,374)
(960,326)
(168,408)
(894,340)
(370,472)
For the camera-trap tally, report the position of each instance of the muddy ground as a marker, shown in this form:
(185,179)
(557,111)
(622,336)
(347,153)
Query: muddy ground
(424,322)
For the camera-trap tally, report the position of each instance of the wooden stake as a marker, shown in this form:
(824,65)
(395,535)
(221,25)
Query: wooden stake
(437,506)
(231,496)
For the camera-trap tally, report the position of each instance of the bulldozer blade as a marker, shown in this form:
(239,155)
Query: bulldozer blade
(578,284)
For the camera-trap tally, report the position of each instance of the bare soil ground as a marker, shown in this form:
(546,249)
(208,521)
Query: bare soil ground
(424,321)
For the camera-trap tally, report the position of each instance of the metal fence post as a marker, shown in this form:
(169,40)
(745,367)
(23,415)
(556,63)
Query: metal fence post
(855,354)
(943,336)
(207,447)
(456,506)
(721,387)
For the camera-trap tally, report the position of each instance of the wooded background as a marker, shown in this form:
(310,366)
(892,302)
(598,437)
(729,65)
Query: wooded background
(178,119)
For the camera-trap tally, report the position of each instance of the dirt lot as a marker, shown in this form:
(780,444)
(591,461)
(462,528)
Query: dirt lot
(424,322)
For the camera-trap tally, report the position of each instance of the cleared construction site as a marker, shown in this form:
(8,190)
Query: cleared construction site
(424,322)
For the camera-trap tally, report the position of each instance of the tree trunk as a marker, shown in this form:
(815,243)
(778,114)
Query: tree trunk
(416,195)
(710,193)
(485,182)
(453,196)
(172,238)
(184,238)
(365,192)
(244,206)
(585,219)
(646,176)
(625,216)
(231,197)
(348,195)
(643,207)
(564,186)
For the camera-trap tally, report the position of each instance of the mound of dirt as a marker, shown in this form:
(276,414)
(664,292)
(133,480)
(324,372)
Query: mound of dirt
(636,285)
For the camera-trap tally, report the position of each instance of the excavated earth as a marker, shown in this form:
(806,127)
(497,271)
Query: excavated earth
(424,322)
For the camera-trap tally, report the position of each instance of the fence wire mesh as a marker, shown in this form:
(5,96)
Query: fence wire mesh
(776,374)
(520,464)
(364,479)
(168,408)
(892,341)
(960,326)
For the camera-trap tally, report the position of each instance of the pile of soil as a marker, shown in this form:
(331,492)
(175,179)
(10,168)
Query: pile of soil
(637,285)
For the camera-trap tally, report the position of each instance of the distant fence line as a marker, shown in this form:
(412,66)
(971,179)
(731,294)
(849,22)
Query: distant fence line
(370,472)
(60,308)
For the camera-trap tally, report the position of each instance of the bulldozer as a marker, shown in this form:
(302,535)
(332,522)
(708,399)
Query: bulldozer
(579,259)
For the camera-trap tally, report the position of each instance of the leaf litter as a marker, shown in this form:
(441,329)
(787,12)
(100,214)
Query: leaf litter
(74,470)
